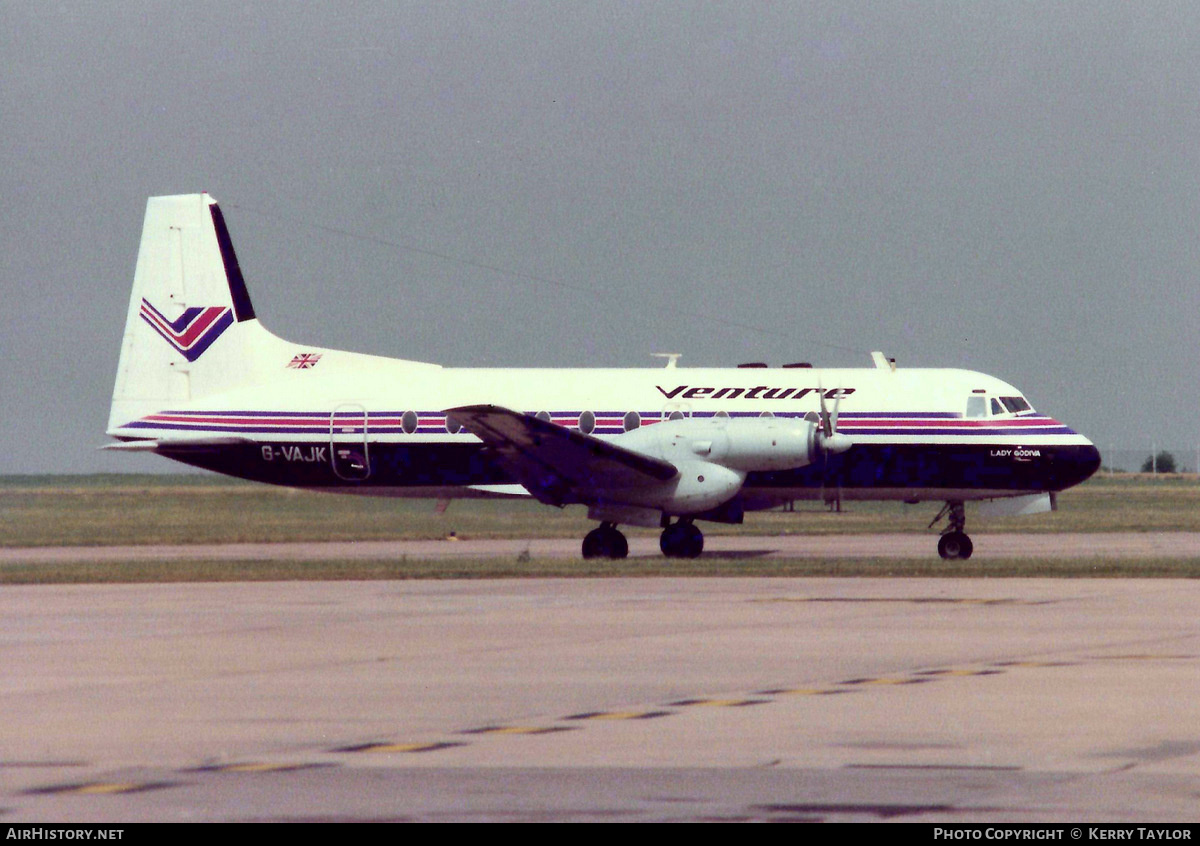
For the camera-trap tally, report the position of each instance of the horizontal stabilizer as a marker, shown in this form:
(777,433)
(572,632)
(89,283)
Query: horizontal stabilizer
(166,445)
(555,464)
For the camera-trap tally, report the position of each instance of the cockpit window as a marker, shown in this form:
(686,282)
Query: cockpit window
(996,409)
(976,406)
(1015,404)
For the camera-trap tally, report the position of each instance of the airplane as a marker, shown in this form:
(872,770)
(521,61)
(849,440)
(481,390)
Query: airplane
(201,381)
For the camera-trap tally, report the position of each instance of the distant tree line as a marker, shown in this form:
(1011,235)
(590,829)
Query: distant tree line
(1163,462)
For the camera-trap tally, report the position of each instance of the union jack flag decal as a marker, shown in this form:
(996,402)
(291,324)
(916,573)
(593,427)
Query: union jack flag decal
(192,332)
(304,361)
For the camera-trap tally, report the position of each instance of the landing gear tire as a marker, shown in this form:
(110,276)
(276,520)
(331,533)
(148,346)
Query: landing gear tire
(605,542)
(681,540)
(955,545)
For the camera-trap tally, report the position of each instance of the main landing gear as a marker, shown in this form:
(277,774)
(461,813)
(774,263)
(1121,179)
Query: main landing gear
(680,539)
(605,542)
(954,543)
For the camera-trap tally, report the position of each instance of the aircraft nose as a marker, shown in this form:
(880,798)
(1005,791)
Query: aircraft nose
(1076,464)
(1089,461)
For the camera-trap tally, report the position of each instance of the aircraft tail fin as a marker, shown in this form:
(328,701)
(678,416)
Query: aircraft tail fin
(190,330)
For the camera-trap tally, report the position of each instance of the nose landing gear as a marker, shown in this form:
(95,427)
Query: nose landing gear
(954,543)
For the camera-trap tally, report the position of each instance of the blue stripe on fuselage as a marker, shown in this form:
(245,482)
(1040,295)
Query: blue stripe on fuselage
(863,468)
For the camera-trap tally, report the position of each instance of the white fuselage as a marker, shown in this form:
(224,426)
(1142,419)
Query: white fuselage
(902,414)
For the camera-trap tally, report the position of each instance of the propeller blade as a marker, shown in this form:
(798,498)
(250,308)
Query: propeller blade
(826,429)
(832,440)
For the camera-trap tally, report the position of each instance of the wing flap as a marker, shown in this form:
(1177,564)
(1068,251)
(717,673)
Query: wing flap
(559,465)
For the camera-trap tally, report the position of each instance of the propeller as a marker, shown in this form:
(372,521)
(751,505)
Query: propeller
(831,441)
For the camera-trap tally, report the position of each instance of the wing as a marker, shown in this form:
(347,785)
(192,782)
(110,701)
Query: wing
(559,465)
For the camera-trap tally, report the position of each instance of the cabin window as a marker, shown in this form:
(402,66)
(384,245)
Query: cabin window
(976,406)
(544,416)
(409,421)
(767,414)
(452,425)
(632,420)
(587,422)
(722,415)
(675,415)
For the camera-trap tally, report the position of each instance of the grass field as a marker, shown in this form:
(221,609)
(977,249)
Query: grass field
(132,510)
(120,510)
(709,565)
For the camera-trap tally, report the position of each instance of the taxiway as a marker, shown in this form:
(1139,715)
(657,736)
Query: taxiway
(611,699)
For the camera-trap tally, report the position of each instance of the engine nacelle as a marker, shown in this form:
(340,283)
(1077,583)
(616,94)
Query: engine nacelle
(700,486)
(714,455)
(743,444)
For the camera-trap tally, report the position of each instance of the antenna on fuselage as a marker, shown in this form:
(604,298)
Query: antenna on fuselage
(672,358)
(883,362)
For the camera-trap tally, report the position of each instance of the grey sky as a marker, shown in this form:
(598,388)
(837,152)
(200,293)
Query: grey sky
(1010,187)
